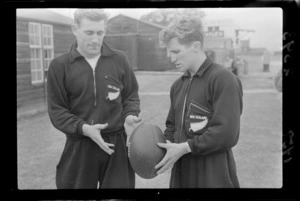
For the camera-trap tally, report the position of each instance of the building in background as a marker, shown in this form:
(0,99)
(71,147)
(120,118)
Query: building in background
(229,45)
(41,36)
(219,39)
(139,40)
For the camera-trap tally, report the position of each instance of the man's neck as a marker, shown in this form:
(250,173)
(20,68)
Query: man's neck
(200,60)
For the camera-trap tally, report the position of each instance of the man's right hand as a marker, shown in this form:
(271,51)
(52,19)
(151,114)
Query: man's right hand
(94,132)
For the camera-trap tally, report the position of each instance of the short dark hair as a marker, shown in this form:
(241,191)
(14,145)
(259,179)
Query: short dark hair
(187,29)
(91,14)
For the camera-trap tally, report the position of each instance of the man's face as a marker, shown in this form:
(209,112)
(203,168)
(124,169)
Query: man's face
(183,56)
(90,36)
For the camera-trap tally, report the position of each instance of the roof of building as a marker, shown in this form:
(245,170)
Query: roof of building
(44,15)
(142,21)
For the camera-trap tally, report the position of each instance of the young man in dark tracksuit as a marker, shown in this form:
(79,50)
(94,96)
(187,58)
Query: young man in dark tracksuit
(203,123)
(92,91)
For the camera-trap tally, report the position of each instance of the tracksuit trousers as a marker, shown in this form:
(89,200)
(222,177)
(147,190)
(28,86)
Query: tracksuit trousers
(84,165)
(217,170)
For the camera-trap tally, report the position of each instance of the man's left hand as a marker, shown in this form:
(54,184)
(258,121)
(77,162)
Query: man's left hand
(174,152)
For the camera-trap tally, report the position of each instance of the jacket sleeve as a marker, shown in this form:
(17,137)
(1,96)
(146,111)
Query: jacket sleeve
(130,96)
(223,131)
(58,105)
(170,122)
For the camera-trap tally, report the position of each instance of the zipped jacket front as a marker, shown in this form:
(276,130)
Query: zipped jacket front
(78,95)
(205,109)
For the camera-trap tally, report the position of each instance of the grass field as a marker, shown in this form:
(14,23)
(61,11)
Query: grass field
(257,154)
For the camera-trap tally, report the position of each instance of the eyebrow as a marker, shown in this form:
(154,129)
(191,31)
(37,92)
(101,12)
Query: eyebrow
(94,31)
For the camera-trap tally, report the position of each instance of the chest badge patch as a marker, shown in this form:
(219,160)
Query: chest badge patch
(113,92)
(199,124)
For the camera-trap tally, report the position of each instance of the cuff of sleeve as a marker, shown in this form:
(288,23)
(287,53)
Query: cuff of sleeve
(187,147)
(190,143)
(171,139)
(79,127)
(130,113)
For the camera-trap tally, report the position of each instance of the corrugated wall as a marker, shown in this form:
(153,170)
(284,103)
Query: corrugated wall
(26,91)
(150,56)
(143,51)
(126,43)
(62,39)
(139,41)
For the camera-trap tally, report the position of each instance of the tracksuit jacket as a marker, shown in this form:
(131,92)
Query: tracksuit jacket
(205,112)
(79,95)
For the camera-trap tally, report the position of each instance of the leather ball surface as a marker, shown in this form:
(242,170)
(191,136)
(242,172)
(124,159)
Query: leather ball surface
(144,153)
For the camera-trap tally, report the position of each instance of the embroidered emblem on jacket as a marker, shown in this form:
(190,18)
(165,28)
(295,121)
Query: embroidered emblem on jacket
(112,95)
(197,126)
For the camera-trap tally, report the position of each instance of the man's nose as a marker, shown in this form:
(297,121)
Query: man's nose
(95,38)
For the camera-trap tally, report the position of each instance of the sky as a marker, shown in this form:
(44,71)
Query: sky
(266,22)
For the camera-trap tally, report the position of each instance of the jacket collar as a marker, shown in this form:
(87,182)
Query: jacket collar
(200,71)
(74,54)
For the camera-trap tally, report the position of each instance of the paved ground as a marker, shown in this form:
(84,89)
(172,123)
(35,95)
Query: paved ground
(258,153)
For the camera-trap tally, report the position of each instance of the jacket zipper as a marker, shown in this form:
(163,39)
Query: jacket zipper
(95,93)
(184,104)
(200,108)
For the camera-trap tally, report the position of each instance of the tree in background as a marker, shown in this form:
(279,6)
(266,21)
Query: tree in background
(164,16)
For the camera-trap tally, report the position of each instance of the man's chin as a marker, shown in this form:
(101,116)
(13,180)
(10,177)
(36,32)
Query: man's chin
(94,52)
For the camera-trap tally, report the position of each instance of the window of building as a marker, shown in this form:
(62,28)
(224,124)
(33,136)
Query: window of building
(48,53)
(36,65)
(34,35)
(41,50)
(47,35)
(48,56)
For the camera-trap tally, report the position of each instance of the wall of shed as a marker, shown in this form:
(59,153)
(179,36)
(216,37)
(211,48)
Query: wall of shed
(62,39)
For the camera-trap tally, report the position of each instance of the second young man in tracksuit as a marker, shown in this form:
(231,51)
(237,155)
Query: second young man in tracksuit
(92,91)
(203,123)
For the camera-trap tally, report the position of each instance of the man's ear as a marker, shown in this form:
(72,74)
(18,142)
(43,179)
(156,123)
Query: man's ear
(105,30)
(197,46)
(74,29)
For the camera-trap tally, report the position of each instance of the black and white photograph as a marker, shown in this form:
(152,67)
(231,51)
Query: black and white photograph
(149,98)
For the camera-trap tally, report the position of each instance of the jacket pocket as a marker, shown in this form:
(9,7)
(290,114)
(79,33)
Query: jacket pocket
(197,119)
(113,89)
